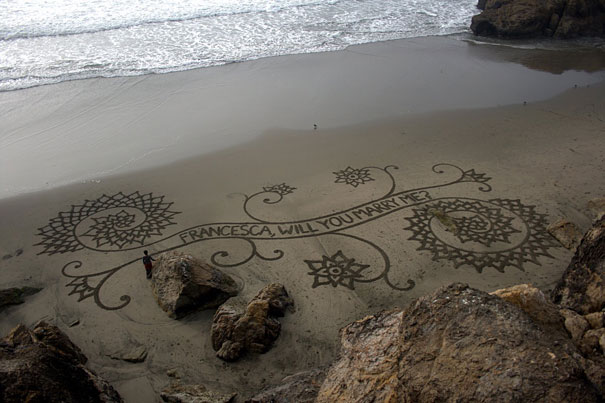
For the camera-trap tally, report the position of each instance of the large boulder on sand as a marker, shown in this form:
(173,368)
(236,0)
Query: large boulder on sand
(43,365)
(533,18)
(457,344)
(182,284)
(582,286)
(254,328)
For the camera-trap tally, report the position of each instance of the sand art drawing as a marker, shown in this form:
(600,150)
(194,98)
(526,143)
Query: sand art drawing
(495,233)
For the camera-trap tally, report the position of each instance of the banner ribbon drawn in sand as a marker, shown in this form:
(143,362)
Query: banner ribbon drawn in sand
(494,233)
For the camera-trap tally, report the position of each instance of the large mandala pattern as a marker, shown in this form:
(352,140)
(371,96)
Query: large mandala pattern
(114,222)
(484,232)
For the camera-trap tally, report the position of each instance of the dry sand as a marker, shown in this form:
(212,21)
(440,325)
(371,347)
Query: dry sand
(400,232)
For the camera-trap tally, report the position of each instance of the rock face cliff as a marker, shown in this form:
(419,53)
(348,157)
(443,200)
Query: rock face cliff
(462,344)
(457,344)
(534,18)
(43,365)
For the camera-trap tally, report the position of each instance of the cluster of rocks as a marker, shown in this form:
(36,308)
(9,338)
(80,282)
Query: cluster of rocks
(463,344)
(182,284)
(455,344)
(534,18)
(43,365)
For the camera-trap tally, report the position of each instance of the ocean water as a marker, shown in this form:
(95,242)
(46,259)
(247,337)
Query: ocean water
(49,41)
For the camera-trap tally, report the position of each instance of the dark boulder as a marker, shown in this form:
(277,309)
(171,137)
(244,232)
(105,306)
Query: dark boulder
(534,18)
(43,365)
(15,296)
(182,284)
(255,328)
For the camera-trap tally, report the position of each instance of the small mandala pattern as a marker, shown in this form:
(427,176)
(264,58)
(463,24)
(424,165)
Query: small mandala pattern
(281,189)
(353,177)
(335,270)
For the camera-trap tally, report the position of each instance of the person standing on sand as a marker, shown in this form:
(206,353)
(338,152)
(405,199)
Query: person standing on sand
(147,259)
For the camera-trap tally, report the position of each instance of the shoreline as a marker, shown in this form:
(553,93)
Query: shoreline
(539,44)
(51,129)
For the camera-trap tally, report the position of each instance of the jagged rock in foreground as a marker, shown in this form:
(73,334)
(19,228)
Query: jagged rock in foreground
(533,18)
(457,344)
(254,329)
(533,302)
(177,393)
(43,365)
(182,284)
(15,296)
(300,388)
(582,286)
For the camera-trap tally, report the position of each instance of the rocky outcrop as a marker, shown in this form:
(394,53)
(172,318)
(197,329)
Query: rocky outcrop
(582,286)
(255,328)
(534,303)
(456,344)
(178,393)
(182,284)
(533,18)
(43,365)
(15,296)
(368,367)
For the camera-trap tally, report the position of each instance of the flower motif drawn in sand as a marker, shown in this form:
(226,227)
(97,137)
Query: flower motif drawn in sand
(496,233)
(353,177)
(334,270)
(110,222)
(281,189)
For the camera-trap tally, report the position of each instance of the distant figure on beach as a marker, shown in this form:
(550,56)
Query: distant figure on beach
(147,262)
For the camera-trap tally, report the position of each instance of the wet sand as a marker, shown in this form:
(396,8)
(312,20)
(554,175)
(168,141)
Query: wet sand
(426,167)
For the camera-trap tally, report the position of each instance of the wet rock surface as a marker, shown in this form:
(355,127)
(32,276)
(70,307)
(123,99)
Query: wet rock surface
(582,286)
(182,284)
(43,365)
(236,331)
(534,18)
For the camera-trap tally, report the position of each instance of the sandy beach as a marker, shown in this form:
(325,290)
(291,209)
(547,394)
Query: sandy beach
(226,164)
